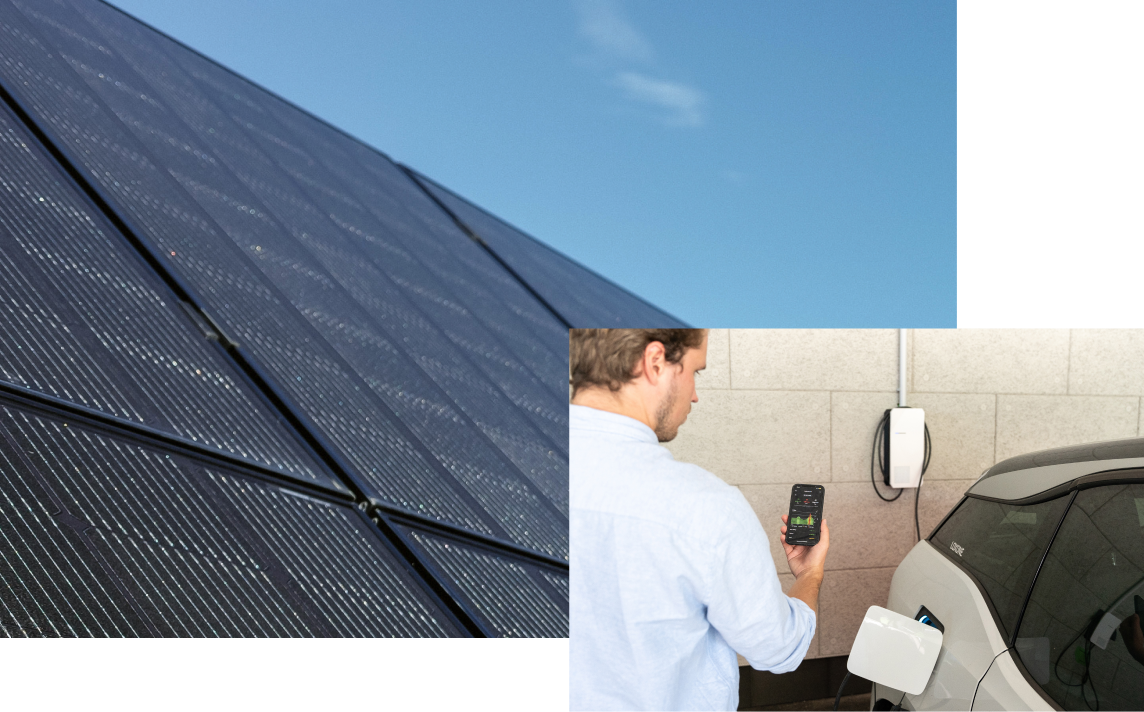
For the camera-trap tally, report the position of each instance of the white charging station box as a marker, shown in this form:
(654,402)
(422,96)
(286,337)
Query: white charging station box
(907,446)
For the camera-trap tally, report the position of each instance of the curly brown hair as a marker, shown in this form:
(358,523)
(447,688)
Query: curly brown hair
(608,357)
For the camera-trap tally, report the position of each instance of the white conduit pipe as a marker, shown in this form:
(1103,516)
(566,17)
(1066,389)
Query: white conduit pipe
(901,368)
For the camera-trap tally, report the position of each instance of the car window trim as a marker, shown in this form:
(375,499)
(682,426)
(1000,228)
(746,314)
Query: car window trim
(1033,581)
(945,519)
(1129,475)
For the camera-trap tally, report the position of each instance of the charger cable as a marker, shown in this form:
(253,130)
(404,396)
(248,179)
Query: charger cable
(838,697)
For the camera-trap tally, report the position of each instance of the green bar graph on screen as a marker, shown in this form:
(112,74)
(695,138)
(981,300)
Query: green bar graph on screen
(808,520)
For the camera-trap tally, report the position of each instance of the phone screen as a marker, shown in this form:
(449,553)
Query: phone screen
(804,518)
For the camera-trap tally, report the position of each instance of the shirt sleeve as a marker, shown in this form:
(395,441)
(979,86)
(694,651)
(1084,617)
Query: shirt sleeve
(745,601)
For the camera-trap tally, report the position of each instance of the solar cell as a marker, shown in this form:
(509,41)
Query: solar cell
(101,536)
(513,597)
(86,321)
(420,424)
(583,298)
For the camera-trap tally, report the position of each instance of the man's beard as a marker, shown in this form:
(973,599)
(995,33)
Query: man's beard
(664,430)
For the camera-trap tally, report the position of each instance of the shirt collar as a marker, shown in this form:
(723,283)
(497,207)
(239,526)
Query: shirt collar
(585,418)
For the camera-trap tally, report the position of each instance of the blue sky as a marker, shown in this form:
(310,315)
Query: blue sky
(744,164)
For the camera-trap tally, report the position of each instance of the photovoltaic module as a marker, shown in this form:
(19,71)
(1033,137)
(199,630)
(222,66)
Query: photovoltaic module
(256,379)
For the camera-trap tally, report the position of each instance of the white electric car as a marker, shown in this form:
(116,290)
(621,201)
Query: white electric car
(1036,579)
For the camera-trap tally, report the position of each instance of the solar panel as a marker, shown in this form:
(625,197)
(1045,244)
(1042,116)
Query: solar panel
(583,298)
(513,597)
(448,349)
(414,410)
(102,536)
(389,293)
(86,321)
(224,321)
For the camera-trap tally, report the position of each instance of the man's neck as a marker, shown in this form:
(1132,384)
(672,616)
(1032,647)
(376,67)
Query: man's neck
(622,402)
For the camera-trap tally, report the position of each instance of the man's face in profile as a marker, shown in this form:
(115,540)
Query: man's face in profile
(676,403)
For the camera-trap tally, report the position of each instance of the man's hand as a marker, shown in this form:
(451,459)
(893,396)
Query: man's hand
(806,558)
(807,564)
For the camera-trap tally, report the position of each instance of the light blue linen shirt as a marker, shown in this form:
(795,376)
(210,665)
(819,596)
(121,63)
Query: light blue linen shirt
(671,574)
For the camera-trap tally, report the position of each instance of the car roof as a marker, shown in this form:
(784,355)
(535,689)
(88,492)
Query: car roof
(1035,473)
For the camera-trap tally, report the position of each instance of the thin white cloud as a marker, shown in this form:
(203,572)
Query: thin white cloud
(682,105)
(616,42)
(604,24)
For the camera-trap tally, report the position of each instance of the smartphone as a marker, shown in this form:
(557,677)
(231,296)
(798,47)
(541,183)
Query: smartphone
(804,521)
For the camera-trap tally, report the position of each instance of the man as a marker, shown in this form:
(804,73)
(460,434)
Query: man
(671,573)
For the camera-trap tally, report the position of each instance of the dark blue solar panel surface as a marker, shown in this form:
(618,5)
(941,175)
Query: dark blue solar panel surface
(400,298)
(514,598)
(86,321)
(437,383)
(104,537)
(583,298)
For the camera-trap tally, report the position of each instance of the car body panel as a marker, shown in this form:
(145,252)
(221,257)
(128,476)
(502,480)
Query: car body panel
(1005,688)
(971,640)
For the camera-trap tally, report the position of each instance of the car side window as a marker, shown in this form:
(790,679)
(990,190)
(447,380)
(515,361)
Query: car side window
(1080,637)
(1001,546)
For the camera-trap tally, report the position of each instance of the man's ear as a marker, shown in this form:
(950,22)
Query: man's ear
(654,362)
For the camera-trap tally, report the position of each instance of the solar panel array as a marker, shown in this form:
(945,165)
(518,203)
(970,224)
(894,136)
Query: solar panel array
(257,379)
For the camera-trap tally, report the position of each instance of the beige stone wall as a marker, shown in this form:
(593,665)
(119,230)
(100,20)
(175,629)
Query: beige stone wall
(778,407)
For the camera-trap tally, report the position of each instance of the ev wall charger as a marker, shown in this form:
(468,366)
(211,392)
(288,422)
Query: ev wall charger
(907,446)
(894,650)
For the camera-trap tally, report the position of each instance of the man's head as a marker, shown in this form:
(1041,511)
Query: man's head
(647,374)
